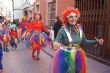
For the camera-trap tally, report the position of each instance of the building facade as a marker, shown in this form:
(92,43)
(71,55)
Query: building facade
(28,8)
(52,8)
(49,9)
(95,17)
(5,11)
(1,8)
(18,9)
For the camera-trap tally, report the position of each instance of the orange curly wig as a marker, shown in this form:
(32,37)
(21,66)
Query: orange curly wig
(24,18)
(68,11)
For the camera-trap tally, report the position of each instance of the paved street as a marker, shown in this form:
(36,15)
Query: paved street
(20,61)
(96,67)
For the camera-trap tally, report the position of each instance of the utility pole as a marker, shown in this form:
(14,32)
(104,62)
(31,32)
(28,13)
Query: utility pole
(13,8)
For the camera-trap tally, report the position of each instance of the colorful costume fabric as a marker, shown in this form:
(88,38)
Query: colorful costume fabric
(35,42)
(1,34)
(35,34)
(23,26)
(70,58)
(36,38)
(14,38)
(1,54)
(37,25)
(6,38)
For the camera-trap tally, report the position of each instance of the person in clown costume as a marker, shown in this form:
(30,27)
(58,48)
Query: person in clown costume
(35,36)
(23,26)
(69,56)
(5,37)
(14,40)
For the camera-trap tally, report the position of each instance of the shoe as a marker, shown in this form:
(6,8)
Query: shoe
(7,50)
(33,56)
(15,48)
(1,71)
(38,58)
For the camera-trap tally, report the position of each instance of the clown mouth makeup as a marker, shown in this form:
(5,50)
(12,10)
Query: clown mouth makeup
(73,21)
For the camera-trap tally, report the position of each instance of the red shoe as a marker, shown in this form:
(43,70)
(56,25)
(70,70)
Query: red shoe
(33,56)
(1,71)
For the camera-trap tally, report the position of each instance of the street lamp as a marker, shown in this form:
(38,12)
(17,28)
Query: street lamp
(13,8)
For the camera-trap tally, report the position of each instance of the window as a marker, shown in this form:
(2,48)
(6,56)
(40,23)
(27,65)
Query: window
(37,8)
(51,13)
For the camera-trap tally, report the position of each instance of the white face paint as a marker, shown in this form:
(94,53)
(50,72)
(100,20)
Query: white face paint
(72,18)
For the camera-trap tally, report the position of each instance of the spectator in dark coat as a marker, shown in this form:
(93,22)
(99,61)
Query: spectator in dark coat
(57,26)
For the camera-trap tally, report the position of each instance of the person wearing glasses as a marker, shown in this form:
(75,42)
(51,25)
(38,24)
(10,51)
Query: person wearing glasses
(69,56)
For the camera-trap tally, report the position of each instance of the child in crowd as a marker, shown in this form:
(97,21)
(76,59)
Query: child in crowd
(14,38)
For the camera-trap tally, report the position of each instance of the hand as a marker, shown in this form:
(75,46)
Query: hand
(100,41)
(56,45)
(48,33)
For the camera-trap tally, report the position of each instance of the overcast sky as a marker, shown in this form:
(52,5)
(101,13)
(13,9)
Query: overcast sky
(7,3)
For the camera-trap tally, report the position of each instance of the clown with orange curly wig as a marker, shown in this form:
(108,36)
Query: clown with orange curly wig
(69,56)
(22,26)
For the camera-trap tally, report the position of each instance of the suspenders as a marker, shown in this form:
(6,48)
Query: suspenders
(69,36)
